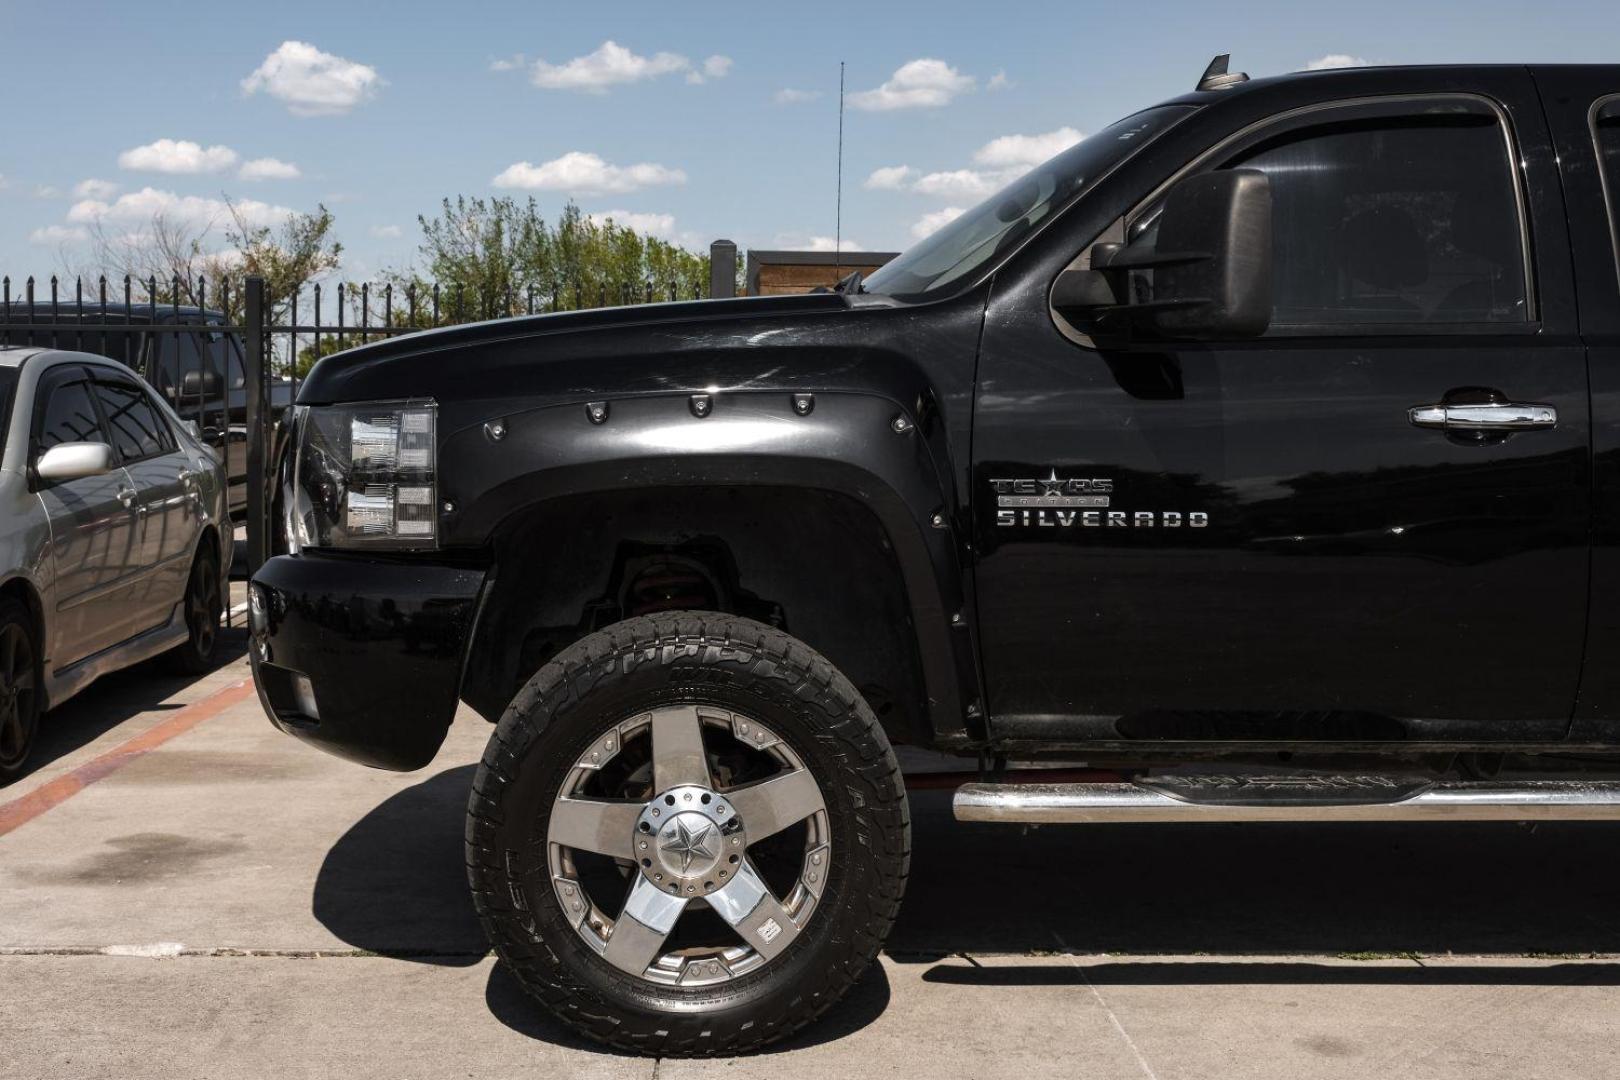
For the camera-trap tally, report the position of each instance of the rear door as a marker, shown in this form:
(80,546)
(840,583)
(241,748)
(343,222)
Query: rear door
(95,544)
(165,493)
(1583,110)
(1255,540)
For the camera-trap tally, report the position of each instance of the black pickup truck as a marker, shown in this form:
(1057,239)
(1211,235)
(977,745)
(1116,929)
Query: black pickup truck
(1262,449)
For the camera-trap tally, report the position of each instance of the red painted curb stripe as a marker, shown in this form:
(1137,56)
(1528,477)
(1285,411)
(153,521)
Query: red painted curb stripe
(21,811)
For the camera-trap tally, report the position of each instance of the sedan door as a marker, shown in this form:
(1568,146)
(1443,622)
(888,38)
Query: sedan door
(95,557)
(165,493)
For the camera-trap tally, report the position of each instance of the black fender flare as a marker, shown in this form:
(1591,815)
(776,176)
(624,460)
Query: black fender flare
(891,458)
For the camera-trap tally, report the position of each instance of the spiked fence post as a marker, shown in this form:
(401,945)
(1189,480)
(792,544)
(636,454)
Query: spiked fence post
(258,423)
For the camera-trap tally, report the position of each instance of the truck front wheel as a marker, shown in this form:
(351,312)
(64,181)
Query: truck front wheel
(688,835)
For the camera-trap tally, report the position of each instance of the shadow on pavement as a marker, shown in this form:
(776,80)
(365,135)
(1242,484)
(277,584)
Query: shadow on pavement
(395,884)
(115,698)
(1272,889)
(1264,973)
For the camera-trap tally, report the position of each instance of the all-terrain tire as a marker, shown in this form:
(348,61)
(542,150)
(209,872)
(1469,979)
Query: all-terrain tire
(699,658)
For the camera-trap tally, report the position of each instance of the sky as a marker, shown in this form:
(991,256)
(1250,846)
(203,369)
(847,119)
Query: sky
(692,121)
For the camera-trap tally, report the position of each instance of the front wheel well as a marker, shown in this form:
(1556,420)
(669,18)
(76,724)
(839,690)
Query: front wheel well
(815,564)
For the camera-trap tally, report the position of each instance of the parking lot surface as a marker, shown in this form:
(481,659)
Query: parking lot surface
(185,892)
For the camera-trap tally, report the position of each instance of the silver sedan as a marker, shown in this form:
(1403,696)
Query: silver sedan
(114,535)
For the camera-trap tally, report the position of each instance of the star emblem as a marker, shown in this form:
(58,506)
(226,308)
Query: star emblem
(1053,485)
(689,843)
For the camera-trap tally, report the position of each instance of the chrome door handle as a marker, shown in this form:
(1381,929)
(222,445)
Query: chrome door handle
(1486,416)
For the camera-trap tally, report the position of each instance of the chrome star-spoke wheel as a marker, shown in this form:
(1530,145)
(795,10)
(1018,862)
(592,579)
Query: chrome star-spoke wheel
(657,840)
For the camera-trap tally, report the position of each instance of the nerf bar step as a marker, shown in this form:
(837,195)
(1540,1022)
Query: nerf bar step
(1272,798)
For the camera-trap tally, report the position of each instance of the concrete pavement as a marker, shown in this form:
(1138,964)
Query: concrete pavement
(231,903)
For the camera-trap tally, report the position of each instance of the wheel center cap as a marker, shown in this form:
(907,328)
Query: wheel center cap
(689,844)
(685,839)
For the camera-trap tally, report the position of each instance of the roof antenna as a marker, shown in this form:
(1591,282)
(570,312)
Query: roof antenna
(1215,76)
(838,212)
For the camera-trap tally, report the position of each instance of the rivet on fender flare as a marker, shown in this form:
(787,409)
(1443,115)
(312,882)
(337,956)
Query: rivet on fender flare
(900,424)
(597,411)
(700,405)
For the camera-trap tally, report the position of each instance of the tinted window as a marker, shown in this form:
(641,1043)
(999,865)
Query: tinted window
(1606,137)
(70,416)
(137,430)
(1394,222)
(190,354)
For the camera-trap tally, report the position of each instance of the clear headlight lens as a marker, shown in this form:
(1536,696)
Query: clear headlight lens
(365,477)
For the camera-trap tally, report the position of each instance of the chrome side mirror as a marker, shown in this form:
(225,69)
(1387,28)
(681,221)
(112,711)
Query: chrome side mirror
(74,461)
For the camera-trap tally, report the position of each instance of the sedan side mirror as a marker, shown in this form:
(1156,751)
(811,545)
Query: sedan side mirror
(1211,262)
(74,461)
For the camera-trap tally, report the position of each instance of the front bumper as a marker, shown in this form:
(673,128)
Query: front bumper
(381,643)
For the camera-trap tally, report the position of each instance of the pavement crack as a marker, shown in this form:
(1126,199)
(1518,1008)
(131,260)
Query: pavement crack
(1141,1059)
(163,951)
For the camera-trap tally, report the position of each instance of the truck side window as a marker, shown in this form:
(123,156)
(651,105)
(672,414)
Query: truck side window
(1394,222)
(1606,140)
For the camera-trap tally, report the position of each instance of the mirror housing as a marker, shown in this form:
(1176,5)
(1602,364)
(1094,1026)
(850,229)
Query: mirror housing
(1211,263)
(1225,216)
(74,461)
(203,384)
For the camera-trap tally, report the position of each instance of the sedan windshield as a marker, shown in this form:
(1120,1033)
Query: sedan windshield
(957,252)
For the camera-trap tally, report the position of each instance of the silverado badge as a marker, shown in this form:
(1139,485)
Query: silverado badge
(1064,502)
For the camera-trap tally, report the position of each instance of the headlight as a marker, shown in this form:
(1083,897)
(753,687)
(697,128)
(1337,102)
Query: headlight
(365,477)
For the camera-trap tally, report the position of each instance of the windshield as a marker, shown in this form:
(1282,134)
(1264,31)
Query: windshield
(957,252)
(8,380)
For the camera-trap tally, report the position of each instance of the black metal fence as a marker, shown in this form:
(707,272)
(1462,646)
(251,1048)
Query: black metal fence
(229,356)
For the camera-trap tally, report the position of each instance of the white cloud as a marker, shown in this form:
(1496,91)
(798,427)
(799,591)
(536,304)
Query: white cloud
(585,173)
(659,225)
(507,63)
(312,82)
(178,156)
(139,207)
(95,189)
(715,67)
(610,65)
(888,178)
(387,232)
(961,183)
(1026,150)
(921,83)
(4,183)
(929,224)
(269,168)
(998,81)
(47,191)
(58,234)
(1335,60)
(791,96)
(827,243)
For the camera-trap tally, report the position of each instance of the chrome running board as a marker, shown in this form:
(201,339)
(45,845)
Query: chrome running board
(1228,798)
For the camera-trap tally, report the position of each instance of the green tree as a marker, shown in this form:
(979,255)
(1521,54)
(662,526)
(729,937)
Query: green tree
(495,257)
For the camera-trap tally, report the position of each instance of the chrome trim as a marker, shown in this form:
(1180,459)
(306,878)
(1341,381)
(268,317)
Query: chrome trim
(1528,800)
(1487,416)
(1609,196)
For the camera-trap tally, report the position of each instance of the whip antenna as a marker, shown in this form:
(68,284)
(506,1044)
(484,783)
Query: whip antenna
(838,212)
